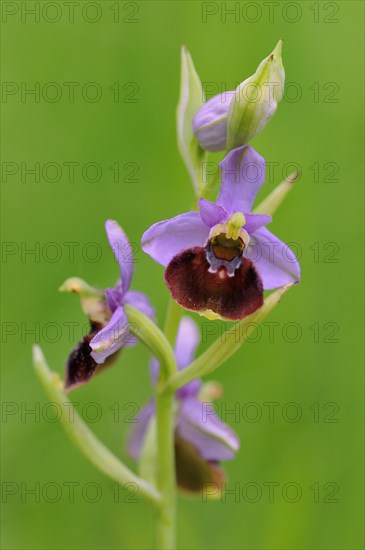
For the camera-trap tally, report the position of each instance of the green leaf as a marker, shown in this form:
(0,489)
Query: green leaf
(191,99)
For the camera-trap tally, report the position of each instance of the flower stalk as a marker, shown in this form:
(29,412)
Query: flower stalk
(148,333)
(165,532)
(166,508)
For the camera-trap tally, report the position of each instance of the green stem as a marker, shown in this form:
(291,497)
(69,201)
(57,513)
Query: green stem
(225,346)
(149,333)
(165,536)
(83,437)
(158,343)
(166,508)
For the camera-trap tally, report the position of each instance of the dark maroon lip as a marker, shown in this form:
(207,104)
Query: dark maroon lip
(80,365)
(195,286)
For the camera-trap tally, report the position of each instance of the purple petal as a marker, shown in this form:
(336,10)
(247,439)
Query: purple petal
(189,390)
(198,424)
(140,301)
(163,240)
(210,122)
(113,297)
(187,341)
(255,221)
(211,213)
(273,259)
(123,253)
(243,173)
(137,435)
(111,338)
(154,369)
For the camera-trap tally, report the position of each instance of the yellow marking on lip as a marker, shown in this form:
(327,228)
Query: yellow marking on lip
(209,314)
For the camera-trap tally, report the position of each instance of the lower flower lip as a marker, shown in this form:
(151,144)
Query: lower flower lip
(195,287)
(194,474)
(81,366)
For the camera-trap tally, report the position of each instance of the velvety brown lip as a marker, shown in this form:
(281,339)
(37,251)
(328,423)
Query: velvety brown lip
(194,287)
(193,474)
(80,365)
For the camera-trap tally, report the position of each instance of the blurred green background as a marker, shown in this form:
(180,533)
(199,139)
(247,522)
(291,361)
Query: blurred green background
(310,371)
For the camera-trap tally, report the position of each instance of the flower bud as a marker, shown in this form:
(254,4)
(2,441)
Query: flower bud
(256,100)
(210,122)
(232,119)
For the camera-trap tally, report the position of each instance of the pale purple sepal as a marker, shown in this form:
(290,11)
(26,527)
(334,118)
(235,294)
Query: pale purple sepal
(163,240)
(198,423)
(123,253)
(210,122)
(154,369)
(137,434)
(187,342)
(255,221)
(140,301)
(111,338)
(274,260)
(211,213)
(113,297)
(243,173)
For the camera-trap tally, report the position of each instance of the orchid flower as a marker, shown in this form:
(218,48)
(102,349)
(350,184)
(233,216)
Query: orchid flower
(109,328)
(202,440)
(220,259)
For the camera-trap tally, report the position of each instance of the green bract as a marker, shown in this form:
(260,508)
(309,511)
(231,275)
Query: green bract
(191,99)
(256,100)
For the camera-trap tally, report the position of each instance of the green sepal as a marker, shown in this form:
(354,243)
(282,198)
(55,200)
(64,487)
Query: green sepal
(256,100)
(191,99)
